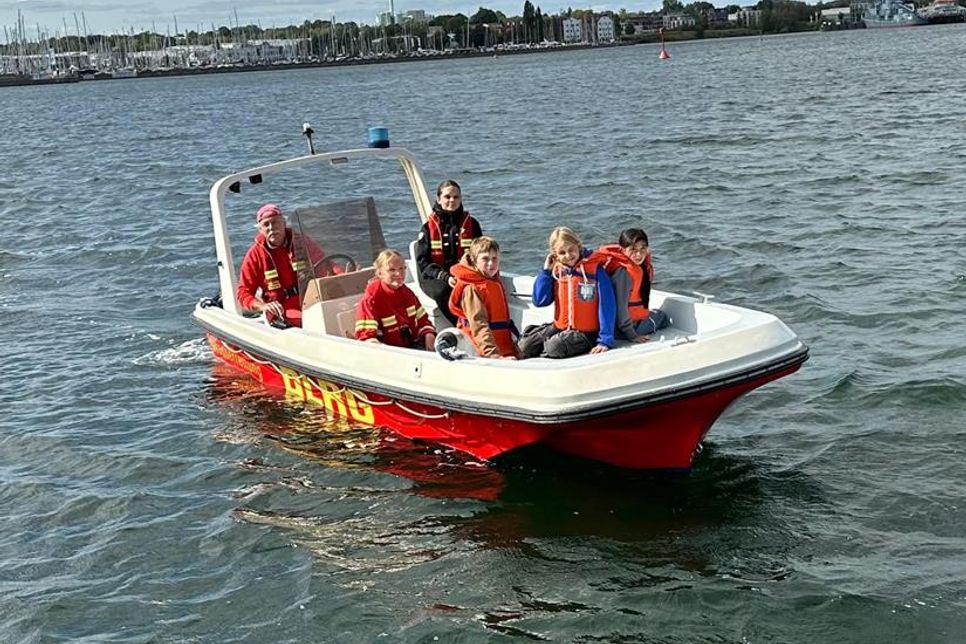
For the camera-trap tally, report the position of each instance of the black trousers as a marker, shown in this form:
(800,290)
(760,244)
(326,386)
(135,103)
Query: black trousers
(439,290)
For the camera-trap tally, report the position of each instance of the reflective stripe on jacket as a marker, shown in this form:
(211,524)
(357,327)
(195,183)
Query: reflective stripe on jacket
(437,256)
(274,271)
(392,316)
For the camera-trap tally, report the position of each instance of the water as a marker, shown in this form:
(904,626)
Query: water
(150,497)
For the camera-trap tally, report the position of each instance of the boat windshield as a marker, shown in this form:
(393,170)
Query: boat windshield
(343,211)
(336,238)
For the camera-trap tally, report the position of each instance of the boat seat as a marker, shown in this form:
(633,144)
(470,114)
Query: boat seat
(346,323)
(436,316)
(329,303)
(411,263)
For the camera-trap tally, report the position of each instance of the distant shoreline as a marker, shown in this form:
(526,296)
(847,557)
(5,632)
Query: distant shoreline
(11,80)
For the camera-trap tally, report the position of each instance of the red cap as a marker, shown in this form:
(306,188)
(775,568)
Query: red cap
(267,211)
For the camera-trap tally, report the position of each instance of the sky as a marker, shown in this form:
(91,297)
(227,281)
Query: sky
(112,16)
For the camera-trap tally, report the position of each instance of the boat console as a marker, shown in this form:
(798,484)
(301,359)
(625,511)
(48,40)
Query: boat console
(329,303)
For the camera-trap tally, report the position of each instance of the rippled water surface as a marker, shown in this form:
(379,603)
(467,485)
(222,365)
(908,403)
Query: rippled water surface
(148,496)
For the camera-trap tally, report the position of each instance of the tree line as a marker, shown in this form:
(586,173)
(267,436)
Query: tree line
(483,28)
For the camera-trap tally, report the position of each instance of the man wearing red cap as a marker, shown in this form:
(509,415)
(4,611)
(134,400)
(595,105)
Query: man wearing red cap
(269,281)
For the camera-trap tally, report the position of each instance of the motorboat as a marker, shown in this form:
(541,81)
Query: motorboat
(124,72)
(642,405)
(891,13)
(944,11)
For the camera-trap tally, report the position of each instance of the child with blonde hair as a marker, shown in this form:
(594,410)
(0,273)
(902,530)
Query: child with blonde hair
(389,311)
(479,301)
(574,280)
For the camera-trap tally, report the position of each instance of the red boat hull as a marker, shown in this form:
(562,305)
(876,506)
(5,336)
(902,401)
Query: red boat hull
(664,435)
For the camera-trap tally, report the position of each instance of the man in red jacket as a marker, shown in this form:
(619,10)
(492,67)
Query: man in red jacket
(269,281)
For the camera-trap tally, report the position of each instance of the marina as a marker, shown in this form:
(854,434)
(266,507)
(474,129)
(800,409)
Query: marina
(59,56)
(90,74)
(43,56)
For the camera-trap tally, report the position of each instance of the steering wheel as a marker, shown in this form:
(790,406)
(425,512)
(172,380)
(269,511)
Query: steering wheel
(338,263)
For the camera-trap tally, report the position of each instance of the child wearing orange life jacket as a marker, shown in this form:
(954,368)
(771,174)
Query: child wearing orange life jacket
(629,265)
(389,312)
(479,301)
(574,280)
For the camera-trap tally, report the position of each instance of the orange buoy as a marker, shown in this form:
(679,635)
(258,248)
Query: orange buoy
(663,55)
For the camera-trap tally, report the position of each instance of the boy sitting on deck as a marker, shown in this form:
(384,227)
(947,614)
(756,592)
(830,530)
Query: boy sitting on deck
(479,301)
(629,265)
(389,311)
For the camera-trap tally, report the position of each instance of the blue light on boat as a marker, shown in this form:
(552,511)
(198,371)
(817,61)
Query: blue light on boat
(379,137)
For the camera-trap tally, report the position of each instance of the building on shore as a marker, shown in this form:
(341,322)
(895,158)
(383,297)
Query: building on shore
(572,31)
(745,17)
(678,21)
(840,17)
(417,16)
(645,23)
(605,29)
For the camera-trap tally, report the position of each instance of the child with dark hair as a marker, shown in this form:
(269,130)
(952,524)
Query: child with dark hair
(630,269)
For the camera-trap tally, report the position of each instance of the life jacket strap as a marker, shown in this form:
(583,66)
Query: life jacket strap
(509,324)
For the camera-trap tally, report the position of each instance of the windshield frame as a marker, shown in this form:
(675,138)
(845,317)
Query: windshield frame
(227,278)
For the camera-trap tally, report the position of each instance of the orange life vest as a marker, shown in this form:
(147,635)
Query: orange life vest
(637,300)
(576,296)
(494,298)
(436,238)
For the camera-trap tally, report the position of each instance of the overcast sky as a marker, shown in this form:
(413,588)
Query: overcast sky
(120,15)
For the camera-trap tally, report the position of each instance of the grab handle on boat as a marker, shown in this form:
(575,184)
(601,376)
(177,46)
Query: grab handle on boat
(307,132)
(705,298)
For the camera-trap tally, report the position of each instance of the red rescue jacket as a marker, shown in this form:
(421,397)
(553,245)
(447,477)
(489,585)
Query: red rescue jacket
(276,272)
(392,316)
(436,237)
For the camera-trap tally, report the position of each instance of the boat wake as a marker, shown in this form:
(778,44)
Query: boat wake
(195,351)
(370,544)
